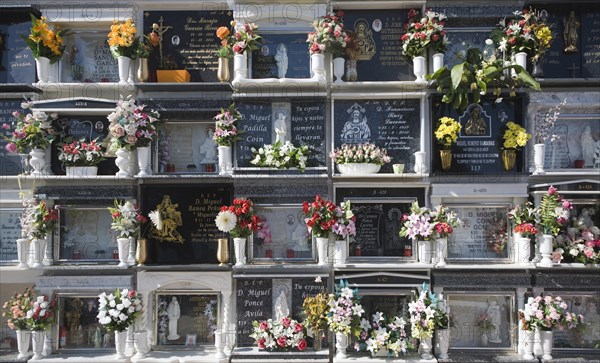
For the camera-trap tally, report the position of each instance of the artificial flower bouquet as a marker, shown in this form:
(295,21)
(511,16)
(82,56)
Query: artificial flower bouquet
(81,153)
(132,126)
(549,313)
(241,38)
(226,131)
(320,216)
(16,308)
(497,236)
(515,137)
(126,219)
(581,244)
(41,313)
(315,309)
(553,212)
(238,219)
(514,34)
(524,219)
(223,33)
(345,310)
(446,133)
(45,42)
(31,131)
(544,125)
(39,221)
(119,310)
(381,333)
(345,223)
(121,39)
(424,224)
(444,221)
(424,32)
(329,36)
(281,156)
(422,311)
(542,35)
(360,153)
(279,335)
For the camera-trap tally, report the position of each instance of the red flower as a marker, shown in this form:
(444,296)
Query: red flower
(263,325)
(298,328)
(286,322)
(512,41)
(552,190)
(261,343)
(435,37)
(302,345)
(412,13)
(281,341)
(418,25)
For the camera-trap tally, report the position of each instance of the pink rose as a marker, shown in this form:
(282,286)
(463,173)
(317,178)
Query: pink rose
(261,343)
(298,328)
(117,130)
(281,341)
(567,204)
(286,322)
(11,147)
(435,37)
(552,190)
(5,126)
(131,139)
(302,345)
(263,325)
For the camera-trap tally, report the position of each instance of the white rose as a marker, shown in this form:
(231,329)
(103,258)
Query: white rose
(122,317)
(112,304)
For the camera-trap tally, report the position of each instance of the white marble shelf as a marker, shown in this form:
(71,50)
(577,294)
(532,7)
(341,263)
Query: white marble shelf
(368,87)
(255,355)
(63,178)
(411,358)
(383,266)
(569,172)
(382,176)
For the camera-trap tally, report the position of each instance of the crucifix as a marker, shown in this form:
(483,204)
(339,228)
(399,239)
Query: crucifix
(160,30)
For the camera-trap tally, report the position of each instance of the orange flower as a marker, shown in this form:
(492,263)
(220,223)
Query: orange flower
(222,32)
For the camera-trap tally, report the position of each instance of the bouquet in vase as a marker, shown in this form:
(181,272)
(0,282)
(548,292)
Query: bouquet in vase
(524,219)
(360,154)
(581,244)
(226,132)
(241,38)
(238,219)
(126,219)
(548,313)
(423,310)
(16,308)
(30,131)
(281,156)
(39,221)
(344,225)
(41,313)
(381,333)
(444,221)
(424,32)
(320,216)
(132,126)
(279,335)
(553,212)
(514,34)
(118,311)
(315,309)
(345,310)
(81,153)
(515,137)
(447,132)
(45,42)
(425,224)
(121,39)
(329,36)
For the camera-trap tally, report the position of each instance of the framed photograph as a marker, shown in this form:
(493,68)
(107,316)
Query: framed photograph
(187,147)
(483,235)
(285,236)
(10,231)
(85,234)
(577,145)
(586,335)
(78,327)
(481,320)
(186,317)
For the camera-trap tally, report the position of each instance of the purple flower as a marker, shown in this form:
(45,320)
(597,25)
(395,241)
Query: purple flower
(11,147)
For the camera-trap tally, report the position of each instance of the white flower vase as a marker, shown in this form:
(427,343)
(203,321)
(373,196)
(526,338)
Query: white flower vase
(442,343)
(341,343)
(22,249)
(124,68)
(528,345)
(425,347)
(219,345)
(419,68)
(420,164)
(322,246)
(539,153)
(537,343)
(53,73)
(37,343)
(340,252)
(140,344)
(317,65)
(358,168)
(240,66)
(143,159)
(545,242)
(132,70)
(37,252)
(441,246)
(239,247)
(120,344)
(42,65)
(547,338)
(123,248)
(338,69)
(424,252)
(37,161)
(129,343)
(23,341)
(523,250)
(438,61)
(131,254)
(521,59)
(123,162)
(225,165)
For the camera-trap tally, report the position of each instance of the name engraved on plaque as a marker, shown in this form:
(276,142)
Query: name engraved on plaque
(10,231)
(254,301)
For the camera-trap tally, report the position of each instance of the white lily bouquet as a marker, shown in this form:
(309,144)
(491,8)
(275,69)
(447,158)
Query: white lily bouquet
(281,156)
(118,311)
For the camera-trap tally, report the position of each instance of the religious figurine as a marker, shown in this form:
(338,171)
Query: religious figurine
(73,316)
(281,129)
(209,150)
(97,337)
(171,218)
(592,320)
(282,60)
(570,35)
(597,155)
(364,40)
(475,124)
(493,311)
(281,306)
(356,129)
(588,146)
(174,314)
(584,219)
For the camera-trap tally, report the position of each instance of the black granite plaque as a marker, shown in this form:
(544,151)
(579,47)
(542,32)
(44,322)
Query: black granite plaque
(459,41)
(478,148)
(17,64)
(301,289)
(308,128)
(256,127)
(191,42)
(77,128)
(590,42)
(281,56)
(10,164)
(189,232)
(390,124)
(254,301)
(380,49)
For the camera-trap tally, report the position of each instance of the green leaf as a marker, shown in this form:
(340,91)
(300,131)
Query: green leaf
(528,80)
(456,74)
(474,56)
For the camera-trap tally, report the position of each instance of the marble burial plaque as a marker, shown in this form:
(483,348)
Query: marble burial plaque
(587,334)
(17,64)
(483,234)
(254,301)
(85,234)
(10,231)
(189,233)
(184,318)
(478,148)
(380,49)
(285,236)
(281,56)
(191,147)
(578,142)
(87,58)
(9,164)
(77,317)
(82,127)
(481,320)
(191,41)
(390,124)
(590,42)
